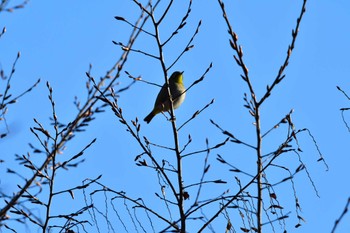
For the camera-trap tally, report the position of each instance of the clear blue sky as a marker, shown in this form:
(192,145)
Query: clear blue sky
(59,39)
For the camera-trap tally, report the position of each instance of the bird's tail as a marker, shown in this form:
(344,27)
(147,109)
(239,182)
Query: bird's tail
(149,117)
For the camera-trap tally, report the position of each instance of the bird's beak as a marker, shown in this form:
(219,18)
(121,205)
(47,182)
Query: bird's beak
(182,72)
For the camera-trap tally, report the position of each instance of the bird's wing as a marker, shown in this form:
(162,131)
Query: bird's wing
(162,96)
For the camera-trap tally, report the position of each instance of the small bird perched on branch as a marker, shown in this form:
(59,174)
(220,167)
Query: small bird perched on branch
(177,90)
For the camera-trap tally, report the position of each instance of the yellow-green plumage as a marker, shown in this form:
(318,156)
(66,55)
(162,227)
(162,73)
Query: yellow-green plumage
(177,90)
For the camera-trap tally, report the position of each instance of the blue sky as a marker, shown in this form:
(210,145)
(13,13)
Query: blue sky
(58,41)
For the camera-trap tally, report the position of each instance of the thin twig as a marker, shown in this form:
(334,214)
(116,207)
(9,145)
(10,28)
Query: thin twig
(341,216)
(196,114)
(187,47)
(280,76)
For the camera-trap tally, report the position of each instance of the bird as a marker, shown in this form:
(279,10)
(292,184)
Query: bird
(178,93)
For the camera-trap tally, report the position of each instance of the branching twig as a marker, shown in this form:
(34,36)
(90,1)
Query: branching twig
(254,104)
(84,113)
